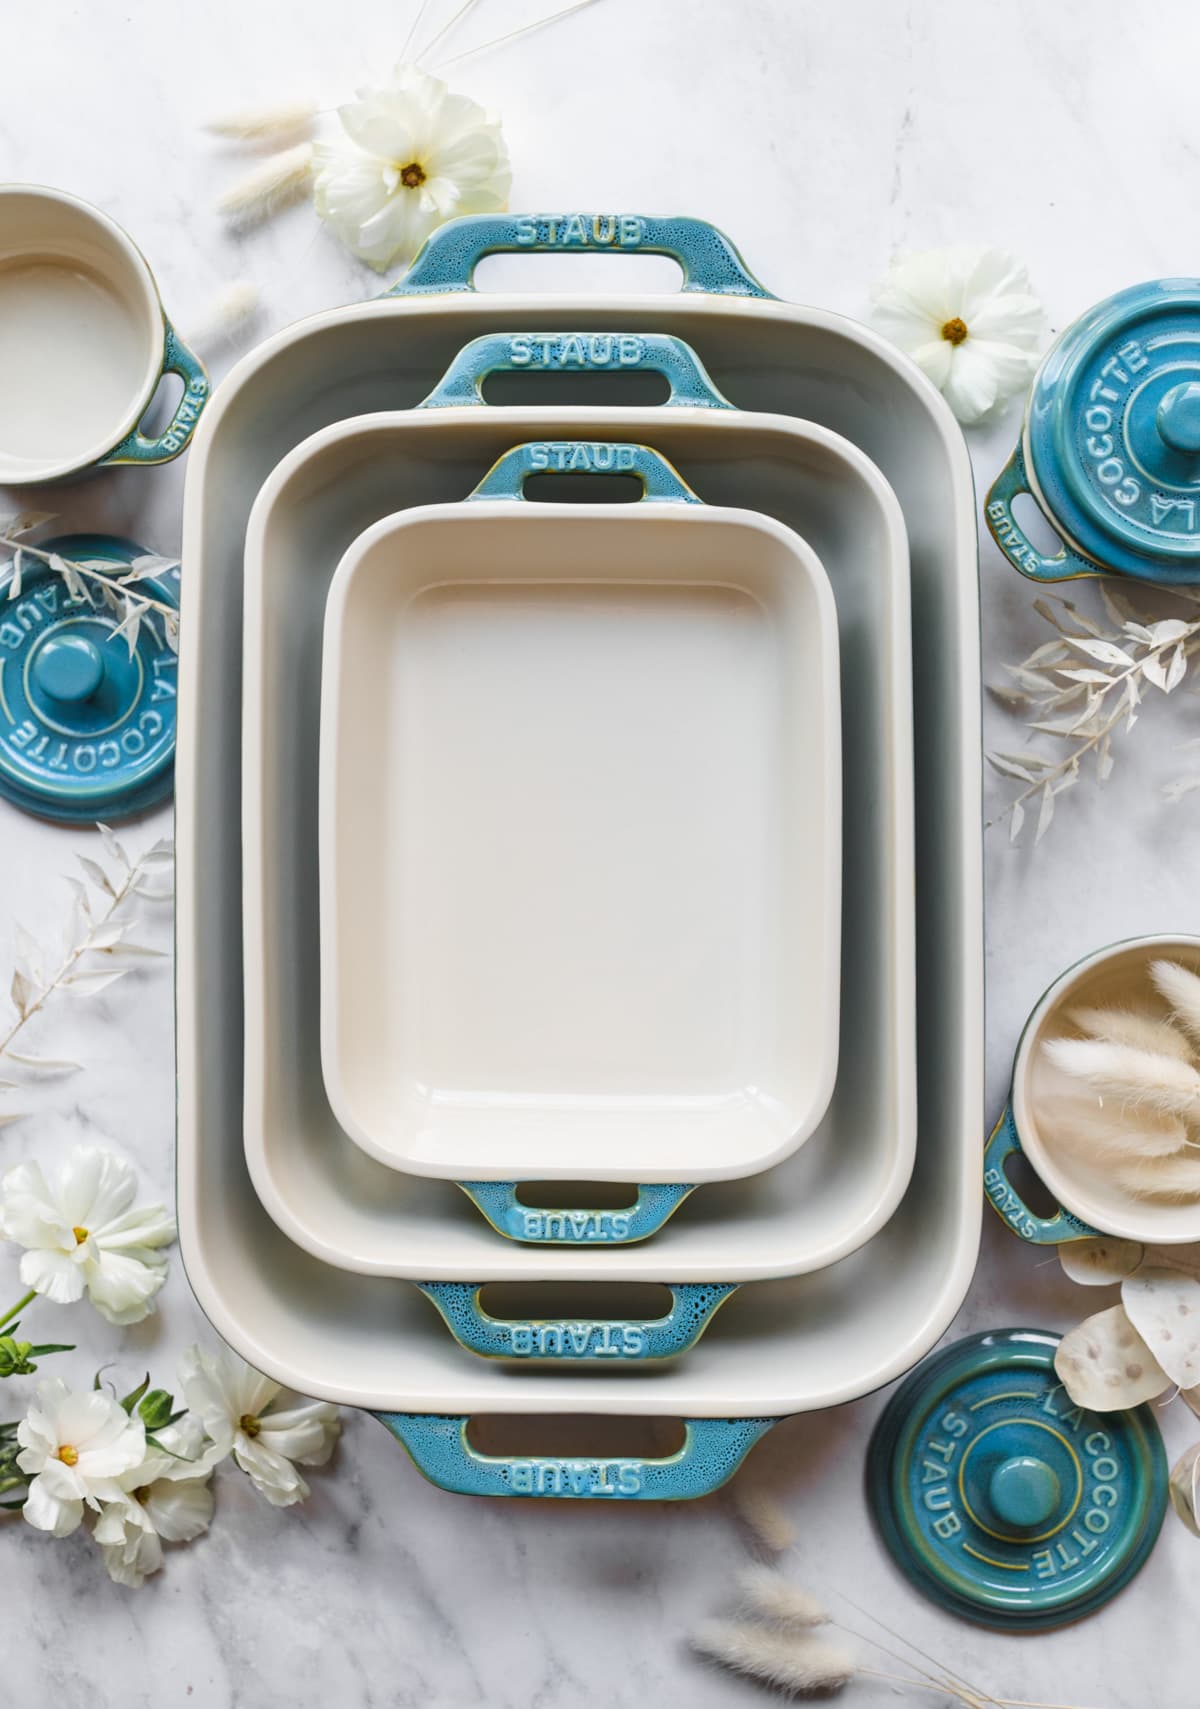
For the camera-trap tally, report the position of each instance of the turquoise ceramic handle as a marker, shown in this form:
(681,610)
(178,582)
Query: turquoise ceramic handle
(598,1340)
(508,1216)
(177,359)
(507,476)
(577,353)
(1011,538)
(713,1449)
(448,259)
(1003,1143)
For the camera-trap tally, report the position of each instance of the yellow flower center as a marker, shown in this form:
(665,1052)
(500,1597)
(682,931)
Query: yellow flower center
(954,331)
(68,1455)
(80,1234)
(412,176)
(249,1424)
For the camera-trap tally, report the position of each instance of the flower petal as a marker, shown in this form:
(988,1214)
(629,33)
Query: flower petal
(270,1473)
(306,1433)
(180,1509)
(122,1288)
(57,1275)
(45,1511)
(94,1186)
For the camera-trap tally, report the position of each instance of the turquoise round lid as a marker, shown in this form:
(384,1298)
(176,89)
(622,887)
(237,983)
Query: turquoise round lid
(1112,434)
(87,728)
(1001,1499)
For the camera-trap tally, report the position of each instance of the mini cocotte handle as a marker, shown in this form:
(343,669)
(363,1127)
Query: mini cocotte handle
(447,260)
(596,1340)
(713,1449)
(507,476)
(1011,538)
(177,359)
(1004,1142)
(578,353)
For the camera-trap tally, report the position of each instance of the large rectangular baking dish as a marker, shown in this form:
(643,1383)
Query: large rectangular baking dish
(580,831)
(801,1344)
(325,1193)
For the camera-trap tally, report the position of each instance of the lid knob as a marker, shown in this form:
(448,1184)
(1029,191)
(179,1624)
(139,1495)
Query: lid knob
(1024,1491)
(1178,417)
(69,668)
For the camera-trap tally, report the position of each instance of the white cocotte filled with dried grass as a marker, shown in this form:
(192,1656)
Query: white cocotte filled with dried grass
(1105,1100)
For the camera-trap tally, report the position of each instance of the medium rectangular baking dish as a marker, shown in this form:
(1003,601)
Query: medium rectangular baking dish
(326,1194)
(580,832)
(803,1343)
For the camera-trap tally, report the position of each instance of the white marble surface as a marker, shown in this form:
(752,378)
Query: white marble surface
(822,137)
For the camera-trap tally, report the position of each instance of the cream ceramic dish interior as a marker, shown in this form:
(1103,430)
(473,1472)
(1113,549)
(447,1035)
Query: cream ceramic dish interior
(368,1340)
(326,1193)
(580,838)
(1115,977)
(81,334)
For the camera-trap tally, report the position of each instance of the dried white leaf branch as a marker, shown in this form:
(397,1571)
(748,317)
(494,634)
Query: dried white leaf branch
(1083,686)
(119,592)
(98,947)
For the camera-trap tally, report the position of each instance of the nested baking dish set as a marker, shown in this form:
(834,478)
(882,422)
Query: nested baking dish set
(599,941)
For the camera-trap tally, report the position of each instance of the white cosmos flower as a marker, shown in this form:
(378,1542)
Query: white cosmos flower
(968,318)
(164,1498)
(78,1446)
(82,1232)
(237,1407)
(413,155)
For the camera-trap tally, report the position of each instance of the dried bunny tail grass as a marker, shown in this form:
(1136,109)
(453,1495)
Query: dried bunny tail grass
(1127,1026)
(766,1521)
(1176,1177)
(1098,1134)
(268,188)
(794,1665)
(267,125)
(766,1595)
(228,316)
(1181,988)
(1135,1076)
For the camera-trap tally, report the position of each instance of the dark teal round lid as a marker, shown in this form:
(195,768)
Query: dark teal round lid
(87,728)
(1113,432)
(1001,1499)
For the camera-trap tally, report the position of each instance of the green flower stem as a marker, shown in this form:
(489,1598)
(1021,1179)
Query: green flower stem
(14,1311)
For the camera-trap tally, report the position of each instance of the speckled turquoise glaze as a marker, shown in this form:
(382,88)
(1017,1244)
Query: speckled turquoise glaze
(87,729)
(712,1451)
(448,259)
(577,352)
(1004,1142)
(575,1227)
(1110,447)
(659,481)
(604,1341)
(1003,1501)
(177,359)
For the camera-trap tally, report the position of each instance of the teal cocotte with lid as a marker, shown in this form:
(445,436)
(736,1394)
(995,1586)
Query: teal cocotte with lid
(87,723)
(1004,1501)
(1110,447)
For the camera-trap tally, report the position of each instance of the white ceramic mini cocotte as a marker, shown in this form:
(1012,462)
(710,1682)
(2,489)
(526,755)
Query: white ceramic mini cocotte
(798,1344)
(83,343)
(580,833)
(322,1190)
(1090,1201)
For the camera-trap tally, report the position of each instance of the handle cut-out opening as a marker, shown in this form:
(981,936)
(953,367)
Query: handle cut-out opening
(590,388)
(1030,519)
(579,1195)
(609,273)
(575,1436)
(1029,1186)
(162,406)
(582,489)
(598,1302)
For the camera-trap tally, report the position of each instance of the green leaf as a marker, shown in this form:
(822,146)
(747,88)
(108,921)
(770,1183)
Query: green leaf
(130,1400)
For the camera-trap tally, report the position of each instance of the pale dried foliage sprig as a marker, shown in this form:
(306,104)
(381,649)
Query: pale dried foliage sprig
(1136,1110)
(1085,686)
(773,1638)
(118,591)
(99,942)
(268,188)
(268,126)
